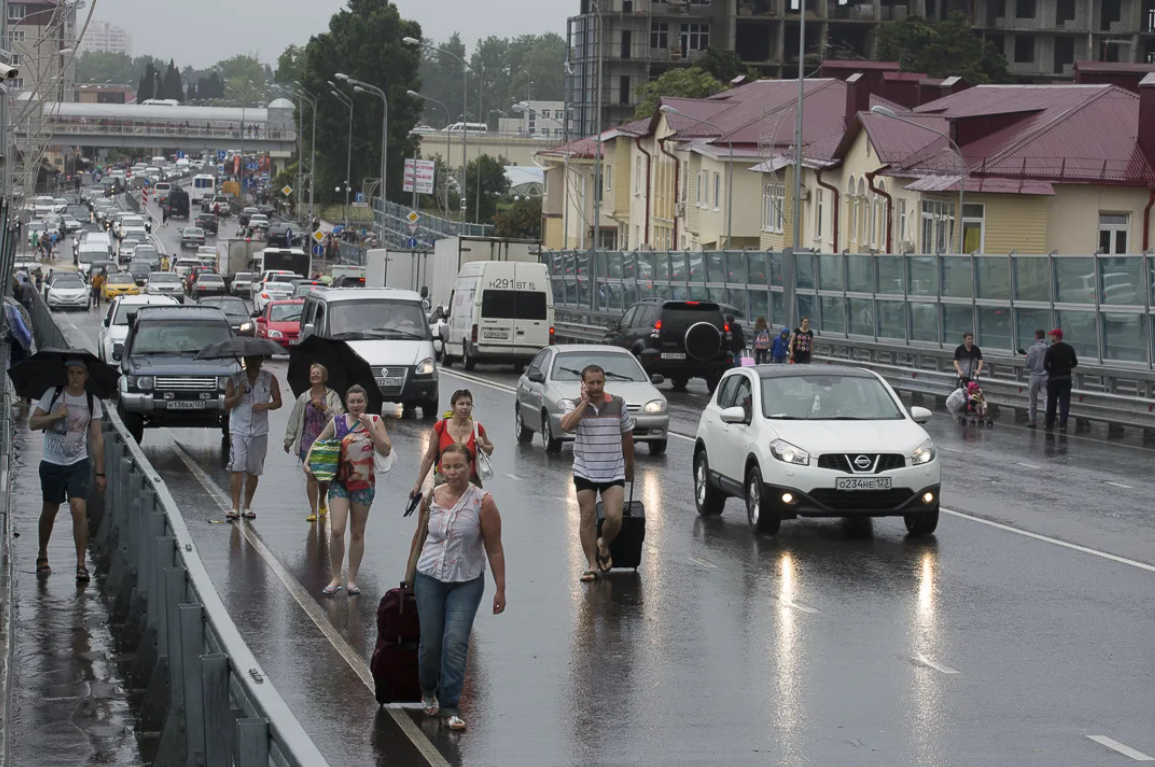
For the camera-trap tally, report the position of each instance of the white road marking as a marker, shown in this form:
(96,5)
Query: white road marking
(799,606)
(514,476)
(949,449)
(703,563)
(1028,465)
(1119,484)
(1115,745)
(313,610)
(1054,541)
(932,664)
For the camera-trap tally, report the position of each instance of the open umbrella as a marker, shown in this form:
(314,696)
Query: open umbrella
(240,346)
(45,370)
(345,367)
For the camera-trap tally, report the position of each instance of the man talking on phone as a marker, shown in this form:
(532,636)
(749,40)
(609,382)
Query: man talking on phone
(603,461)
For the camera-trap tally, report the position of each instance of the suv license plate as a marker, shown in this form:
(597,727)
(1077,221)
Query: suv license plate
(502,334)
(856,483)
(673,355)
(186,404)
(386,383)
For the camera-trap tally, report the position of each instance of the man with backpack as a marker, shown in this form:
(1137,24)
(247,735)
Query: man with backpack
(70,418)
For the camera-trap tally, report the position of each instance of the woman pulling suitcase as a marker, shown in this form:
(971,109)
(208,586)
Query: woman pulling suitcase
(457,520)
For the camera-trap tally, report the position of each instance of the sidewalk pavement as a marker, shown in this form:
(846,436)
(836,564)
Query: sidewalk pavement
(69,705)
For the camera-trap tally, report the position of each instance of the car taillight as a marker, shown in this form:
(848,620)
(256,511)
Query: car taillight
(692,303)
(264,295)
(726,327)
(551,336)
(473,334)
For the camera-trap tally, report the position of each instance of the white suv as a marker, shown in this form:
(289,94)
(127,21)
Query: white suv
(809,441)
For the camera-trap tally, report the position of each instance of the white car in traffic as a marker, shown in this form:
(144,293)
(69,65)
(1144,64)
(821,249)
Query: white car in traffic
(271,291)
(810,441)
(164,284)
(67,291)
(114,328)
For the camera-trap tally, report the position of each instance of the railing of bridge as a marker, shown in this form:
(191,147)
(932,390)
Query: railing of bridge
(429,228)
(1103,302)
(183,130)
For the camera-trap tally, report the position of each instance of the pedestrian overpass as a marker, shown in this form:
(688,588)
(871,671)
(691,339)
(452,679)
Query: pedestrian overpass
(191,128)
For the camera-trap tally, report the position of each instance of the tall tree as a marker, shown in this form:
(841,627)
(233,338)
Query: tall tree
(724,65)
(216,89)
(364,40)
(520,222)
(289,65)
(690,83)
(940,48)
(149,87)
(243,66)
(102,67)
(142,88)
(494,184)
(172,88)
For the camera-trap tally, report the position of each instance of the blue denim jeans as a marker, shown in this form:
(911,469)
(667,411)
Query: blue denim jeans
(447,611)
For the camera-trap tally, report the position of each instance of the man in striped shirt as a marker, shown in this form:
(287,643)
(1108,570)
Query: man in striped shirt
(603,461)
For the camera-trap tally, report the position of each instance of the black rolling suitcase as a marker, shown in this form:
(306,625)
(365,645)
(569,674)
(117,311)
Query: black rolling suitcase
(626,550)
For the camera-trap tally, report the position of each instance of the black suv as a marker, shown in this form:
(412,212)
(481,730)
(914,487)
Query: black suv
(162,383)
(677,339)
(208,222)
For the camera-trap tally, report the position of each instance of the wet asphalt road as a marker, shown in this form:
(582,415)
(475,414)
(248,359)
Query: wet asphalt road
(828,644)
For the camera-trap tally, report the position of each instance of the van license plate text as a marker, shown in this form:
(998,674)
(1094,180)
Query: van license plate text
(495,334)
(856,483)
(186,405)
(673,355)
(387,383)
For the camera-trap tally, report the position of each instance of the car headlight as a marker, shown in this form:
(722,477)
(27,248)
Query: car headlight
(144,383)
(787,453)
(276,334)
(425,367)
(924,454)
(246,327)
(655,406)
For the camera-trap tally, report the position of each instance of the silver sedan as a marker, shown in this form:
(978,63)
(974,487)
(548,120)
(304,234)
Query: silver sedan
(554,377)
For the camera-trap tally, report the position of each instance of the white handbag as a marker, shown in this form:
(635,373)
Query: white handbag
(483,462)
(382,463)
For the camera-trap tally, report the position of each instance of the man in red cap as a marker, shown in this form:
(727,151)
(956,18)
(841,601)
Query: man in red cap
(1059,361)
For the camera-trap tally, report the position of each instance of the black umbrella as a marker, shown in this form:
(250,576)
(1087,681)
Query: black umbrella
(346,367)
(240,346)
(45,370)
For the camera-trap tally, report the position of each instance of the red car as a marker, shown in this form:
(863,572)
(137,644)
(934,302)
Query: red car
(281,321)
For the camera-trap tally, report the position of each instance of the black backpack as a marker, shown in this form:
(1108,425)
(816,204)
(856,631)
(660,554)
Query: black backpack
(56,395)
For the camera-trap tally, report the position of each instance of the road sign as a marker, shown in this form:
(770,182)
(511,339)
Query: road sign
(286,190)
(412,243)
(358,205)
(318,250)
(419,176)
(412,228)
(412,217)
(265,176)
(221,154)
(221,169)
(318,235)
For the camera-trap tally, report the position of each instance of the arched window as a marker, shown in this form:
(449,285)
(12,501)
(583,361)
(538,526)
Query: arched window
(864,217)
(880,216)
(851,209)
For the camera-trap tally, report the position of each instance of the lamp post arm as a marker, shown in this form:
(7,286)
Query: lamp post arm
(962,172)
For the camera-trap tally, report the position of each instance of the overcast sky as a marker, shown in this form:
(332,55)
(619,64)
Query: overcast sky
(204,32)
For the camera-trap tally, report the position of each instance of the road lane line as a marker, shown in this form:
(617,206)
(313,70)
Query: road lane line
(511,390)
(1028,465)
(1054,541)
(920,658)
(1115,745)
(1119,484)
(949,449)
(514,476)
(703,563)
(312,609)
(798,606)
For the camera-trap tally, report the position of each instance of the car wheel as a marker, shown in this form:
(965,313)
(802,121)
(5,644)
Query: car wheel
(467,362)
(523,433)
(922,523)
(552,445)
(658,447)
(134,422)
(429,409)
(679,384)
(709,499)
(759,509)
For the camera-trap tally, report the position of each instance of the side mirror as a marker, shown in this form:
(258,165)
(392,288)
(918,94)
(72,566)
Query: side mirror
(733,415)
(920,414)
(307,330)
(657,378)
(437,345)
(104,322)
(536,376)
(256,313)
(116,356)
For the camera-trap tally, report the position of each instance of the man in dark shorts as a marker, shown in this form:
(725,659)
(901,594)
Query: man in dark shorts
(802,343)
(71,422)
(603,461)
(968,359)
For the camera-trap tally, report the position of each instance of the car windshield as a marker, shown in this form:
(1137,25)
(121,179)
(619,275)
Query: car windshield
(618,367)
(139,267)
(91,256)
(377,319)
(243,277)
(285,312)
(178,337)
(68,283)
(194,231)
(121,279)
(303,290)
(146,251)
(233,307)
(163,277)
(213,278)
(828,398)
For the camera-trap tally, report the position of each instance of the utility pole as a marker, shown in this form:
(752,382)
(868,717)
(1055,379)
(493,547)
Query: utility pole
(590,267)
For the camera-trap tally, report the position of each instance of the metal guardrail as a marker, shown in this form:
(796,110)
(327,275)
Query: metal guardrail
(205,692)
(192,131)
(1117,397)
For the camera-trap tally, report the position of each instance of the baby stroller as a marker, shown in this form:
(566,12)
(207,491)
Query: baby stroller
(969,406)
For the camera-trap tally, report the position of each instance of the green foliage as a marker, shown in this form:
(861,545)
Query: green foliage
(522,221)
(940,49)
(442,80)
(101,67)
(289,65)
(241,67)
(691,83)
(494,184)
(171,86)
(724,65)
(151,84)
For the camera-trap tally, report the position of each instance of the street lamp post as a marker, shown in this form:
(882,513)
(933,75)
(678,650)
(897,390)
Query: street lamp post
(359,86)
(347,101)
(448,138)
(730,173)
(464,113)
(312,145)
(882,111)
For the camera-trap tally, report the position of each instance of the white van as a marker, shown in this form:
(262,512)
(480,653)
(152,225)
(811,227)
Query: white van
(204,187)
(501,311)
(160,161)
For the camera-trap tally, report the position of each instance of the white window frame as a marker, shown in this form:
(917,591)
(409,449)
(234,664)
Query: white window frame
(698,198)
(818,215)
(937,220)
(773,207)
(16,35)
(851,211)
(637,176)
(608,179)
(901,221)
(543,112)
(660,29)
(1114,228)
(16,83)
(717,189)
(694,36)
(17,12)
(980,220)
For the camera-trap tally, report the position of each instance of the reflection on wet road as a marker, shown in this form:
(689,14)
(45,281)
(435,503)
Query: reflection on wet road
(832,643)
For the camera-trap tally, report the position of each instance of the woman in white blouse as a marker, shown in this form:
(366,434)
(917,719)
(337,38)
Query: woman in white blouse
(461,527)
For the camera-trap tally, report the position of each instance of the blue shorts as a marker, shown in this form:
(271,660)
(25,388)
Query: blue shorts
(61,483)
(359,497)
